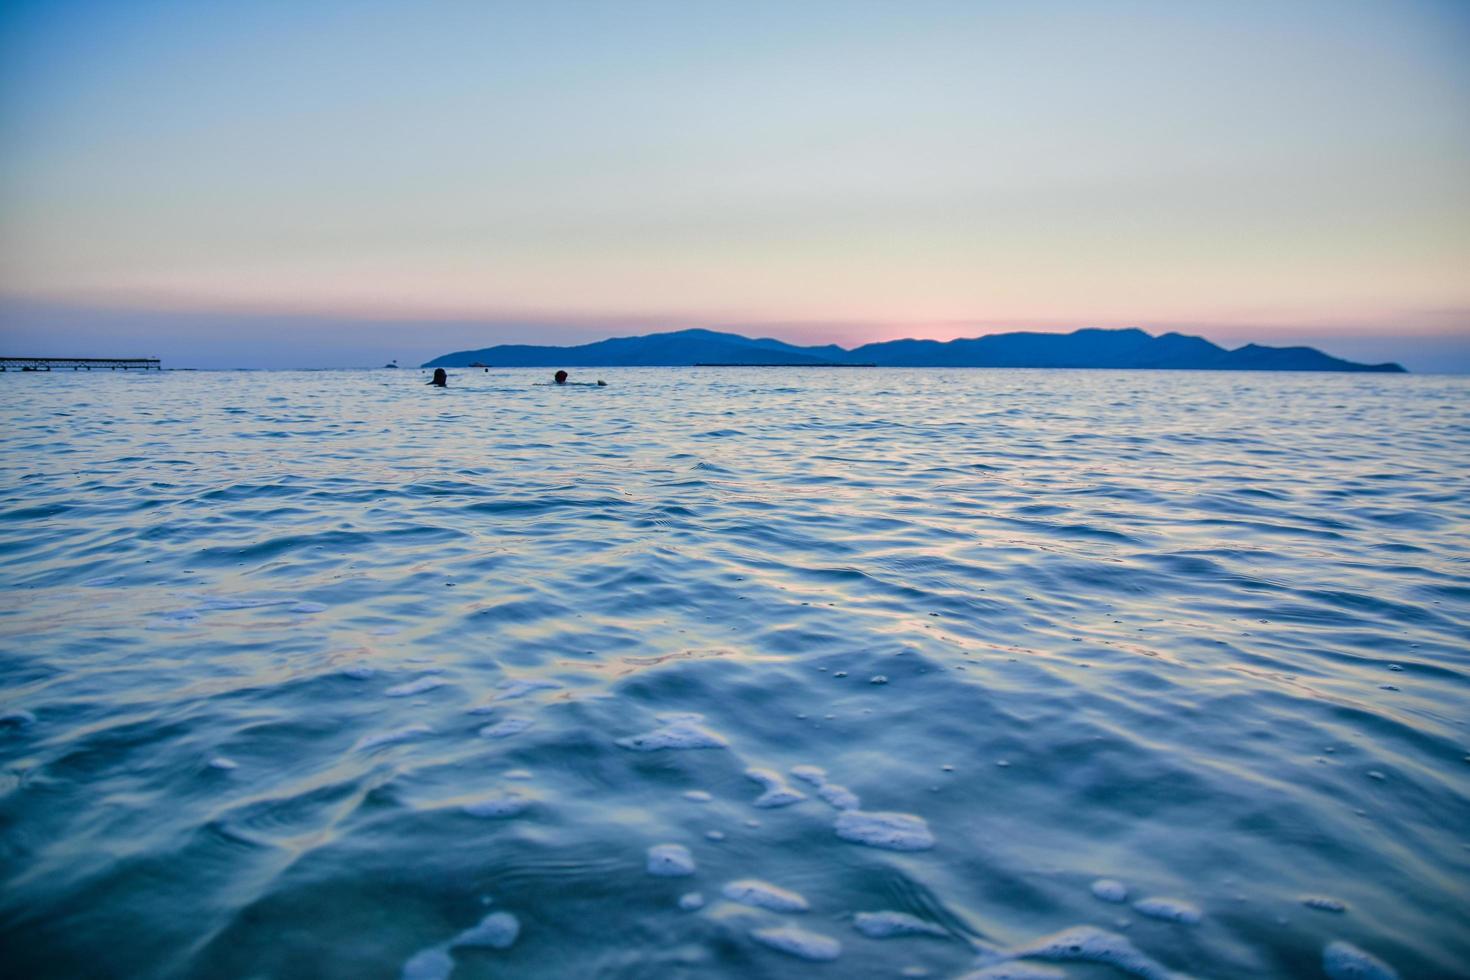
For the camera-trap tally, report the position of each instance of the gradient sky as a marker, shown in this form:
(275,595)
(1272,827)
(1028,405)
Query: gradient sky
(285,183)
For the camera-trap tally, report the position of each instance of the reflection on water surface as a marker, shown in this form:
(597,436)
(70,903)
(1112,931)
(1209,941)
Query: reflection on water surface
(748,673)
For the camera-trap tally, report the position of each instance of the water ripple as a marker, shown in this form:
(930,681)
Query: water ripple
(305,674)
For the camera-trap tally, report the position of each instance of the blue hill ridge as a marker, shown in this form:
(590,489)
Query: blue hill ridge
(1086,348)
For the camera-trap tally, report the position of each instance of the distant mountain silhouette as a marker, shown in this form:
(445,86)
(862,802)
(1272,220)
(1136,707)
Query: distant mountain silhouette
(1090,348)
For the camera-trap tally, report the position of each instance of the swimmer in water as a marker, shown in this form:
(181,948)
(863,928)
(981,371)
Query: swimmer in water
(560,378)
(441,380)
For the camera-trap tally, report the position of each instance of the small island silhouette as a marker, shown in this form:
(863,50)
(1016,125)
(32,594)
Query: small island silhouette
(1087,348)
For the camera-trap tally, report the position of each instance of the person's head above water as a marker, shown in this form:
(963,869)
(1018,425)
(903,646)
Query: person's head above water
(561,377)
(441,380)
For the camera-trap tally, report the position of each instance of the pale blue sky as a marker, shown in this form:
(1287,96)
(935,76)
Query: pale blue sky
(821,171)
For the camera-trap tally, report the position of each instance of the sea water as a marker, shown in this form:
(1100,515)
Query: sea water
(734,673)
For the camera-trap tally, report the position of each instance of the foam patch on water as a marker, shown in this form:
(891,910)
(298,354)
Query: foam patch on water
(1089,944)
(511,689)
(835,796)
(506,728)
(799,943)
(498,930)
(415,687)
(221,762)
(764,895)
(777,793)
(521,774)
(1015,971)
(691,901)
(815,775)
(698,796)
(893,831)
(886,925)
(405,734)
(1344,961)
(1169,910)
(839,797)
(434,963)
(359,672)
(1109,890)
(670,861)
(499,805)
(679,731)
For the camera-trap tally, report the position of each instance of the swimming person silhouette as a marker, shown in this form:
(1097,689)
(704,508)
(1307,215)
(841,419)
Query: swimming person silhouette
(441,380)
(560,378)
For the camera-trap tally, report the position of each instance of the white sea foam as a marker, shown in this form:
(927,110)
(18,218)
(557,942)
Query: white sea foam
(670,861)
(678,731)
(697,796)
(886,925)
(1344,961)
(506,728)
(404,734)
(1015,971)
(221,762)
(799,943)
(764,895)
(498,930)
(777,793)
(815,775)
(894,831)
(691,901)
(1089,944)
(521,774)
(434,963)
(499,805)
(415,687)
(838,797)
(1169,910)
(1110,890)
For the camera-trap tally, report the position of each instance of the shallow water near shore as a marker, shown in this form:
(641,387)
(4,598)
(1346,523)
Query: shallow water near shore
(318,674)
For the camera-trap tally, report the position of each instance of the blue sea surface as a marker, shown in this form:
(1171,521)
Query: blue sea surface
(734,673)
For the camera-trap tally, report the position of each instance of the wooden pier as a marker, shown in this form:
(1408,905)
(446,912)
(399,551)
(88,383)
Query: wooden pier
(80,363)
